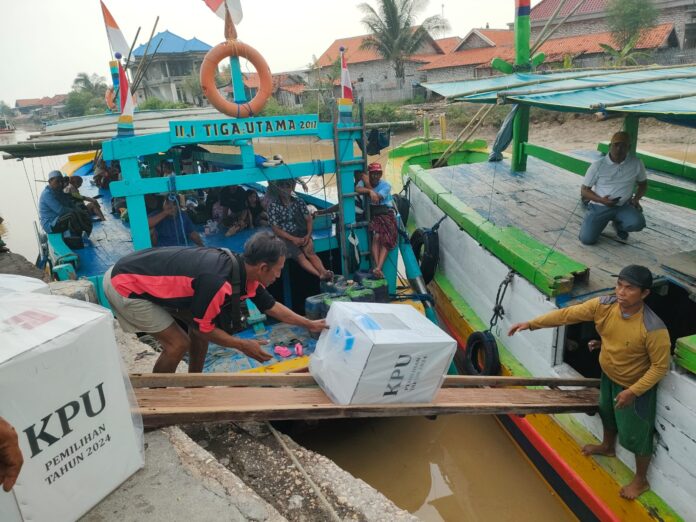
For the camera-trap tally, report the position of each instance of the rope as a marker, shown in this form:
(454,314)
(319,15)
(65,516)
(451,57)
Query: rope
(34,196)
(329,508)
(498,310)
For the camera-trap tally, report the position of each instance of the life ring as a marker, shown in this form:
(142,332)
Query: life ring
(235,48)
(480,356)
(110,98)
(426,247)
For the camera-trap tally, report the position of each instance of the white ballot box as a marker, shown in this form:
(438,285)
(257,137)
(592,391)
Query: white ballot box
(12,283)
(380,353)
(63,389)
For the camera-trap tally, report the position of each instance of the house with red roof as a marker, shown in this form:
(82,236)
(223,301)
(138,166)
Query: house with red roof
(590,18)
(47,103)
(473,56)
(372,76)
(288,87)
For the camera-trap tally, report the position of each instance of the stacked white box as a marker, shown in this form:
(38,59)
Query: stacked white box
(380,353)
(12,283)
(63,389)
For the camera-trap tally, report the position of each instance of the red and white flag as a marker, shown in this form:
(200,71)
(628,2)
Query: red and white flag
(234,6)
(113,33)
(125,97)
(346,86)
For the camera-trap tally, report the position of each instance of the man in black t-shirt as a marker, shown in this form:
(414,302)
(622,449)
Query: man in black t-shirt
(203,287)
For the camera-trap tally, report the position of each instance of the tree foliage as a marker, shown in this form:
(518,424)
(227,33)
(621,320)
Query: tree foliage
(394,33)
(86,96)
(627,19)
(6,110)
(155,104)
(626,55)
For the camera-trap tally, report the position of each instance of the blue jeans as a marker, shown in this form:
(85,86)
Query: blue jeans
(626,218)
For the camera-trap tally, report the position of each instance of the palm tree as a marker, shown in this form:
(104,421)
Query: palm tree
(394,34)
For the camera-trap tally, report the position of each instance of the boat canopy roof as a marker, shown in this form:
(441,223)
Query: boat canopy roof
(671,91)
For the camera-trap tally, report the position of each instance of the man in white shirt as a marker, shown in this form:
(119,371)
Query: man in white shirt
(608,186)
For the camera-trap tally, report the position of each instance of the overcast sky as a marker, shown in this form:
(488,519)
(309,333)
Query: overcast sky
(45,43)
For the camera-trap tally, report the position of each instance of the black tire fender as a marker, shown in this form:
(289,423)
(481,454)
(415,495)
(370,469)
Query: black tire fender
(426,247)
(480,356)
(403,206)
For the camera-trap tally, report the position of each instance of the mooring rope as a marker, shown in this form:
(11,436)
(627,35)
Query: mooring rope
(298,465)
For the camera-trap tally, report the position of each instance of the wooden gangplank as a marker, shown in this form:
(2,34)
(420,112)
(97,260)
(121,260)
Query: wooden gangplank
(166,399)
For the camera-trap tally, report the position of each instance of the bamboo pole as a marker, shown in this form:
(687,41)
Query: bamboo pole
(633,81)
(147,48)
(455,144)
(600,72)
(541,42)
(635,101)
(548,23)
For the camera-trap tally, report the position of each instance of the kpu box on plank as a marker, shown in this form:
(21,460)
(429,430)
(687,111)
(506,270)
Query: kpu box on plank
(380,353)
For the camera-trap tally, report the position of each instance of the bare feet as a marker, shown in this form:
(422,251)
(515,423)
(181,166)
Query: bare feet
(636,488)
(378,273)
(598,449)
(327,276)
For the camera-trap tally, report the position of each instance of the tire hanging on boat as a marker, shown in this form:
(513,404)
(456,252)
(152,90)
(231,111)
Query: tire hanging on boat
(403,206)
(480,356)
(426,247)
(228,49)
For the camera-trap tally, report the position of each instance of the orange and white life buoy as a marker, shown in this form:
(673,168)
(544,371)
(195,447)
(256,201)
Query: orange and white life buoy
(110,98)
(209,66)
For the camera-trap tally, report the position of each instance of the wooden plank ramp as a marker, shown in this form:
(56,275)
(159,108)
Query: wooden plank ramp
(166,399)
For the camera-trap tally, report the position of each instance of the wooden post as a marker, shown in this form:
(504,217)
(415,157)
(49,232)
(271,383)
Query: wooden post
(630,125)
(520,125)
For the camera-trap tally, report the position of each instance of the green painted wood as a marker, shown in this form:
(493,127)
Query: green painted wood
(657,190)
(419,146)
(520,135)
(682,169)
(553,273)
(685,353)
(630,125)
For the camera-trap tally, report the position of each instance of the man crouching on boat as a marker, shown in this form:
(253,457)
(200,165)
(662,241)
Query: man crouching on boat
(202,287)
(608,189)
(635,356)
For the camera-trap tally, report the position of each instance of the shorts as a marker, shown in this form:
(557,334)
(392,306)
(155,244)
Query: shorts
(635,423)
(135,315)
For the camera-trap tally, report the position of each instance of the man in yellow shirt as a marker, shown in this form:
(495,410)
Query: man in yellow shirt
(635,356)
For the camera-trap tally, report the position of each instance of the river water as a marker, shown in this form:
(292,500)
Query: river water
(453,468)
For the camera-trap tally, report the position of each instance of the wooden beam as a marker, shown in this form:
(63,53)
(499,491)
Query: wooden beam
(166,406)
(183,380)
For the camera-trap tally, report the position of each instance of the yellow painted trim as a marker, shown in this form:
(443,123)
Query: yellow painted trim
(75,161)
(282,367)
(601,474)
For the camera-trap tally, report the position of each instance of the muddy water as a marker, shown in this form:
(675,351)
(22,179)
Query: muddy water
(451,469)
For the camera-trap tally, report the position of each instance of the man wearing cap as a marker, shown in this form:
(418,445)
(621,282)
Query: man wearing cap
(203,288)
(57,211)
(382,217)
(608,188)
(635,350)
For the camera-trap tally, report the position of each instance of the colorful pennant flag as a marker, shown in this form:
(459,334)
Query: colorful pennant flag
(346,86)
(125,120)
(234,6)
(116,39)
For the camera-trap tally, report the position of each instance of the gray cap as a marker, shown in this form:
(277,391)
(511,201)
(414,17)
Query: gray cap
(55,174)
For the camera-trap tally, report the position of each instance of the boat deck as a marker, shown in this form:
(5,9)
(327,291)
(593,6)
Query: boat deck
(545,203)
(111,240)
